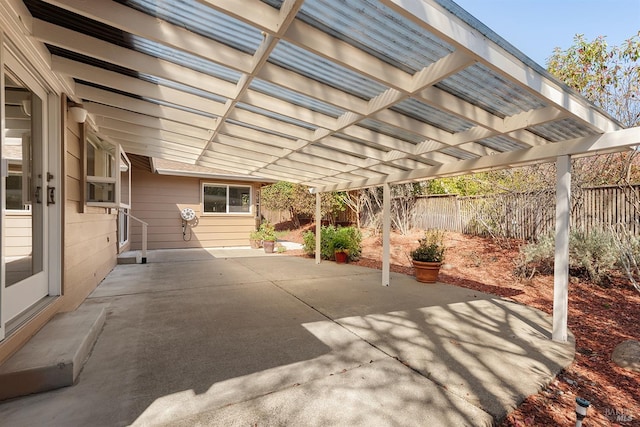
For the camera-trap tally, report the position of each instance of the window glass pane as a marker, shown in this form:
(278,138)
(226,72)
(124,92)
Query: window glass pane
(91,160)
(124,226)
(101,158)
(101,192)
(125,173)
(215,199)
(239,199)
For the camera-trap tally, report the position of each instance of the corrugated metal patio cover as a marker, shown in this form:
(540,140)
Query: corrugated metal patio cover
(331,94)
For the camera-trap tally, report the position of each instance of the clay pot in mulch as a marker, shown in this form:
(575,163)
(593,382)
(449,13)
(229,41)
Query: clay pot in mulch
(426,272)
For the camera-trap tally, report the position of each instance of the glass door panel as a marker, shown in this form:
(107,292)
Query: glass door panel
(23,214)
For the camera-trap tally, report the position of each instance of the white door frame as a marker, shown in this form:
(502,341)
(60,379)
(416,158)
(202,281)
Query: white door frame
(15,299)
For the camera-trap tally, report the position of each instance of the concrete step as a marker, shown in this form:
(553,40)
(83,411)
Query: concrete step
(131,257)
(54,357)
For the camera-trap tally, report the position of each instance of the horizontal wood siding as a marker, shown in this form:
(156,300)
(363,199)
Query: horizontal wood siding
(158,200)
(90,239)
(89,246)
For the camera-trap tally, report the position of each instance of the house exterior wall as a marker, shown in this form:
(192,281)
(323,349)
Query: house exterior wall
(158,200)
(90,233)
(89,246)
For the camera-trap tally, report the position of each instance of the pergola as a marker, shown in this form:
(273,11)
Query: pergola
(335,95)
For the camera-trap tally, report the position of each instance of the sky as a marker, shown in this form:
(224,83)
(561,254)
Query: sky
(536,27)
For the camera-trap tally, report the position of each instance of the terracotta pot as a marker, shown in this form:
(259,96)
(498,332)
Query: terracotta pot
(269,245)
(341,257)
(426,272)
(255,243)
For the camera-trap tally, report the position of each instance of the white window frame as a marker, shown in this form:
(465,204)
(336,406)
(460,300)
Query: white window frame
(124,221)
(97,179)
(118,156)
(227,186)
(123,158)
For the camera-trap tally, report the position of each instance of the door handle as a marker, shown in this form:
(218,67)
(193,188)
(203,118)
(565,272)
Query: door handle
(38,195)
(51,195)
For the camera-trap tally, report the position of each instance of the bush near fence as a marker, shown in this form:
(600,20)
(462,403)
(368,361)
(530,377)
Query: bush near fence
(527,215)
(514,215)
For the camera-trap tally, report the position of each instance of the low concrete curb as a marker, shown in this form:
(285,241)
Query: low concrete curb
(54,357)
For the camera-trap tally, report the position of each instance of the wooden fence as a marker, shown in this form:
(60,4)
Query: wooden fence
(526,215)
(345,217)
(520,215)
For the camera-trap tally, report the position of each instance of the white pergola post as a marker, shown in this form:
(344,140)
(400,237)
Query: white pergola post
(386,232)
(561,265)
(318,226)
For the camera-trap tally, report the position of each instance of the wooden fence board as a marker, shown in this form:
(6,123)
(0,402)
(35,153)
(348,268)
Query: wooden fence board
(526,215)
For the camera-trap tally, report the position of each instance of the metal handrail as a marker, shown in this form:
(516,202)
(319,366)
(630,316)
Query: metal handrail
(144,234)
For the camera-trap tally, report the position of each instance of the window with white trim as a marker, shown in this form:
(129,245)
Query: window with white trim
(101,172)
(226,199)
(108,174)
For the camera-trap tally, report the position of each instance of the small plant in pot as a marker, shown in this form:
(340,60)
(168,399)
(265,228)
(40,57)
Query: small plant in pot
(268,237)
(255,239)
(341,244)
(428,256)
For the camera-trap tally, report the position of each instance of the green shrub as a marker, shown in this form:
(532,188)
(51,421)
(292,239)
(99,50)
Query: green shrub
(537,257)
(431,248)
(332,238)
(591,255)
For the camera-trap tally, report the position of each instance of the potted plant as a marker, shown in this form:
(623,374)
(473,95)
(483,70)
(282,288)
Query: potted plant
(269,238)
(428,256)
(255,239)
(341,247)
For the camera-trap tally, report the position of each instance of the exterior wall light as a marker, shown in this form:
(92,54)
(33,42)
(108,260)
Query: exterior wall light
(77,113)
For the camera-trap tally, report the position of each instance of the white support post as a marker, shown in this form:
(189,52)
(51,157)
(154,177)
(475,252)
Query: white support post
(144,243)
(561,266)
(386,233)
(318,226)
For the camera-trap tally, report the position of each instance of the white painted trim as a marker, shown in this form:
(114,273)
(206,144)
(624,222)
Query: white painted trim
(386,234)
(203,184)
(318,227)
(605,143)
(3,184)
(134,22)
(453,30)
(55,214)
(561,264)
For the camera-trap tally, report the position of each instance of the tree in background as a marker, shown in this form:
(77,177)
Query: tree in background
(608,76)
(296,199)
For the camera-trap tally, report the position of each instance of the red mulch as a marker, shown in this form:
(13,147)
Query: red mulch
(599,317)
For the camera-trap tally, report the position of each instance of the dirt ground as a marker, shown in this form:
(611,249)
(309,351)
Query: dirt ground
(599,317)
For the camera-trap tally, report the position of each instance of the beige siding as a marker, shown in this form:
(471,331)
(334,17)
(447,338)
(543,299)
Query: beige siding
(90,239)
(89,246)
(158,200)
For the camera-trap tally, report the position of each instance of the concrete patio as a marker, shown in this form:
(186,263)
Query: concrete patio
(201,337)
